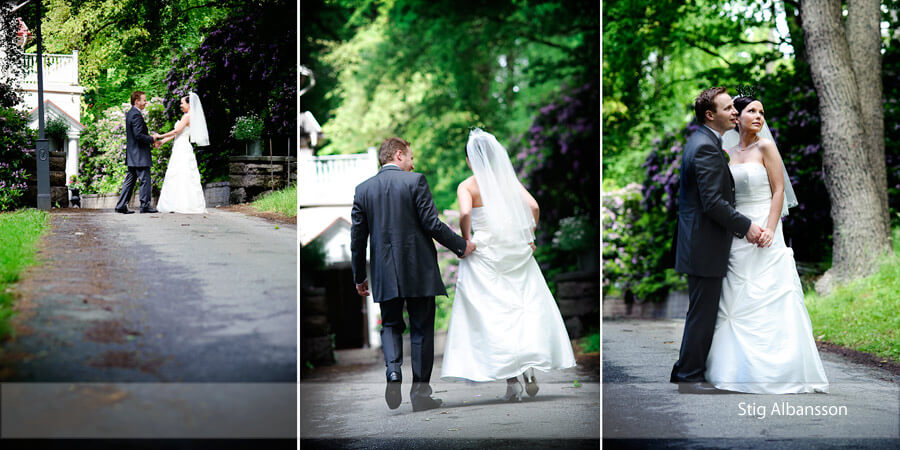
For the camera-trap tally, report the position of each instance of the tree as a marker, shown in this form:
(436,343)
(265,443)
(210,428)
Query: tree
(125,45)
(429,70)
(848,84)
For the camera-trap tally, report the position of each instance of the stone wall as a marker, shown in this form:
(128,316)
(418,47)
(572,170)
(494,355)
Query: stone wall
(59,194)
(316,345)
(251,176)
(579,301)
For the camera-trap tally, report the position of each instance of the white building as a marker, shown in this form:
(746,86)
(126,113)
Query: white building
(326,186)
(62,99)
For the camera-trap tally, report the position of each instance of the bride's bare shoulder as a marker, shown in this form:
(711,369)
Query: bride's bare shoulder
(469,184)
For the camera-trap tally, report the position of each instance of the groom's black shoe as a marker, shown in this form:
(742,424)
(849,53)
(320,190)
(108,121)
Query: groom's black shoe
(699,387)
(124,210)
(148,210)
(392,390)
(425,403)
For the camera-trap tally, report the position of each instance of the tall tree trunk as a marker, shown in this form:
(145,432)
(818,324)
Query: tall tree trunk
(860,232)
(864,38)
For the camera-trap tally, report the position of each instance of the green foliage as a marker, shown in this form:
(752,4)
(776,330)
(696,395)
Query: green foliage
(244,65)
(312,257)
(16,140)
(427,71)
(124,45)
(56,128)
(658,55)
(636,247)
(11,66)
(19,232)
(247,128)
(102,164)
(575,233)
(591,342)
(283,202)
(865,314)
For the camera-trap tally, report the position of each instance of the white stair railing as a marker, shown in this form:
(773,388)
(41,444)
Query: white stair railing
(58,69)
(332,180)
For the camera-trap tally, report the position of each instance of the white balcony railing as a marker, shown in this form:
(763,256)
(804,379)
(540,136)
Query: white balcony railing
(332,180)
(58,69)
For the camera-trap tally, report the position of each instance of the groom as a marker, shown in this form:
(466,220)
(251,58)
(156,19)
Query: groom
(137,155)
(707,221)
(395,208)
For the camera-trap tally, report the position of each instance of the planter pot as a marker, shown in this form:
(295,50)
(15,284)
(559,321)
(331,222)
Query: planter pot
(74,199)
(254,148)
(217,194)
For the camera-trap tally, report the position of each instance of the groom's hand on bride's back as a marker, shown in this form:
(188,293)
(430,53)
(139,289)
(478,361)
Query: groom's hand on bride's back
(470,247)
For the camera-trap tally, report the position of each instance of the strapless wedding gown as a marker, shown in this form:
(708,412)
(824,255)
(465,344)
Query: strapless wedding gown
(763,341)
(181,190)
(504,319)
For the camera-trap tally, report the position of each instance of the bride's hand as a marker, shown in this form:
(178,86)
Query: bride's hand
(766,238)
(533,247)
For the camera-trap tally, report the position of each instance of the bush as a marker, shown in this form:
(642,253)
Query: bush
(247,64)
(247,128)
(57,129)
(558,161)
(15,141)
(102,165)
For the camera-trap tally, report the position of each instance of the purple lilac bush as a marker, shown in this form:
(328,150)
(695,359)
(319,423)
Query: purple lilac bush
(245,65)
(16,141)
(102,166)
(558,160)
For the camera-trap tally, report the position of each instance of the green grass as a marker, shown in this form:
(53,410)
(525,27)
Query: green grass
(590,343)
(864,314)
(283,202)
(19,232)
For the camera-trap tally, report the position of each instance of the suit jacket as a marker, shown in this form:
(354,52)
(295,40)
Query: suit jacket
(395,209)
(137,140)
(707,220)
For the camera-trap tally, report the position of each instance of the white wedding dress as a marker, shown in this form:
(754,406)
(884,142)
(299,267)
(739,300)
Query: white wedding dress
(763,341)
(181,190)
(504,318)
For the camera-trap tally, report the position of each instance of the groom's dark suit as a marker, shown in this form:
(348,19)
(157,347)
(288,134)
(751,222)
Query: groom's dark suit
(396,210)
(137,157)
(707,222)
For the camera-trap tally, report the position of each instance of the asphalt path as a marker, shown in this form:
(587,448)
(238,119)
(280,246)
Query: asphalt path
(642,409)
(343,407)
(158,306)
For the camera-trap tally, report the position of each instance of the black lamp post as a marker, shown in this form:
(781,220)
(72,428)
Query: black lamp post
(43,146)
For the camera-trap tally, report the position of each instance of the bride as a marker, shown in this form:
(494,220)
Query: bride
(504,322)
(181,189)
(763,340)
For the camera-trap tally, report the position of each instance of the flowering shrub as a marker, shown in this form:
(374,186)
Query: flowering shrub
(102,166)
(247,128)
(636,246)
(575,233)
(56,128)
(558,160)
(246,64)
(15,141)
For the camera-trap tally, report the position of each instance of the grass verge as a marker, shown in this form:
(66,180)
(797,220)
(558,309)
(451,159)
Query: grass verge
(19,232)
(863,315)
(283,202)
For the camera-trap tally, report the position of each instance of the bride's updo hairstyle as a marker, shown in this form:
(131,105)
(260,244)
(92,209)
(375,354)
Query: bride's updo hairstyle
(746,96)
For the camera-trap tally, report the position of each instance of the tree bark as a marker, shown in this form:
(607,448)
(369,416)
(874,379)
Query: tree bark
(861,234)
(864,38)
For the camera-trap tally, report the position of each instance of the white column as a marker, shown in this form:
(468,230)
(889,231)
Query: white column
(71,157)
